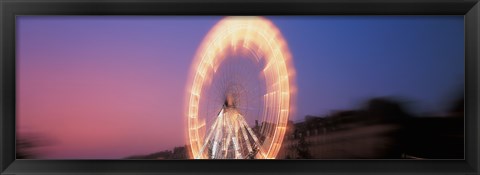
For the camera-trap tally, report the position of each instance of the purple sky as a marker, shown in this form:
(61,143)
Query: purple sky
(111,87)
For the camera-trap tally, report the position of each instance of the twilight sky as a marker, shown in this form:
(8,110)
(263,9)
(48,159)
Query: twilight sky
(110,87)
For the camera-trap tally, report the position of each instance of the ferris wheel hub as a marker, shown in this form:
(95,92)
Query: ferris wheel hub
(230,101)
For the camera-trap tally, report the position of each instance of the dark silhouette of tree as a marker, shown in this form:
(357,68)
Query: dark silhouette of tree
(177,153)
(167,154)
(23,148)
(390,110)
(180,152)
(457,107)
(386,109)
(27,143)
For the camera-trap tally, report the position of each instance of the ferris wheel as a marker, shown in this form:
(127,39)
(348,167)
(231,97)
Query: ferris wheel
(240,92)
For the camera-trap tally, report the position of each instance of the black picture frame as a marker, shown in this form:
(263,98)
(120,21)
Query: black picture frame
(9,9)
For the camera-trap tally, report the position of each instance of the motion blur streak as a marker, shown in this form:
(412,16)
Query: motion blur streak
(244,34)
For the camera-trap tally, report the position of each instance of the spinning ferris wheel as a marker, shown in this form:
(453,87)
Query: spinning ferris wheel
(241,91)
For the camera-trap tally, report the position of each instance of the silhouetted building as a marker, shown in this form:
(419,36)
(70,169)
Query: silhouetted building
(382,129)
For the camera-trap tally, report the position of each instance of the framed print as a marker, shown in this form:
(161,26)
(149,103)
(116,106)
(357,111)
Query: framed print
(268,87)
